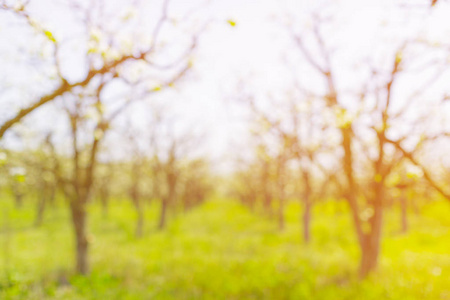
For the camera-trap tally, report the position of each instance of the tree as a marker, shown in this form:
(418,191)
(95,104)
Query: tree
(110,64)
(368,214)
(196,183)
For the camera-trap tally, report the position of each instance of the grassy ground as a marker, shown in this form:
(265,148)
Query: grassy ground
(221,251)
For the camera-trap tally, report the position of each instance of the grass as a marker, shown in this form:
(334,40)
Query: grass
(222,251)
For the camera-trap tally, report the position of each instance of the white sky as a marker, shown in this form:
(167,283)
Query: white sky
(252,50)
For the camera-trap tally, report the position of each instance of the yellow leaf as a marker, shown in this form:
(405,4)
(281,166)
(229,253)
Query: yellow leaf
(413,172)
(395,179)
(95,35)
(100,107)
(92,50)
(98,134)
(231,22)
(130,14)
(50,36)
(157,88)
(343,118)
(3,158)
(19,177)
(378,178)
(398,57)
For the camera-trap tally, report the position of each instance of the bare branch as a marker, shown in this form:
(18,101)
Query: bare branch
(426,174)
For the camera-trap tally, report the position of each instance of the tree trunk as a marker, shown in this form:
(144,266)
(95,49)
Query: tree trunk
(268,204)
(404,212)
(135,195)
(307,221)
(370,248)
(40,210)
(307,207)
(140,218)
(350,190)
(252,201)
(371,241)
(18,196)
(19,201)
(281,206)
(369,258)
(414,205)
(186,205)
(45,197)
(169,199)
(105,205)
(280,187)
(281,214)
(52,194)
(140,223)
(79,221)
(162,217)
(267,195)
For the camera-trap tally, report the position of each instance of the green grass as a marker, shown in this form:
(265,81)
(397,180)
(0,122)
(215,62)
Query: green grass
(222,251)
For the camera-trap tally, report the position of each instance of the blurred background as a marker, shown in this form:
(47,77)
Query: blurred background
(212,149)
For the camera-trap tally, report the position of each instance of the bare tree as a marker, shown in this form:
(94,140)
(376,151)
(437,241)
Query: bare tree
(368,216)
(107,65)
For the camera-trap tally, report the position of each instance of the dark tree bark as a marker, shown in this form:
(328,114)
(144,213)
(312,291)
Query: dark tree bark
(78,187)
(79,219)
(370,248)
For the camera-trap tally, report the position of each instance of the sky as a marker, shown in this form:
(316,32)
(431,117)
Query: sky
(257,51)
